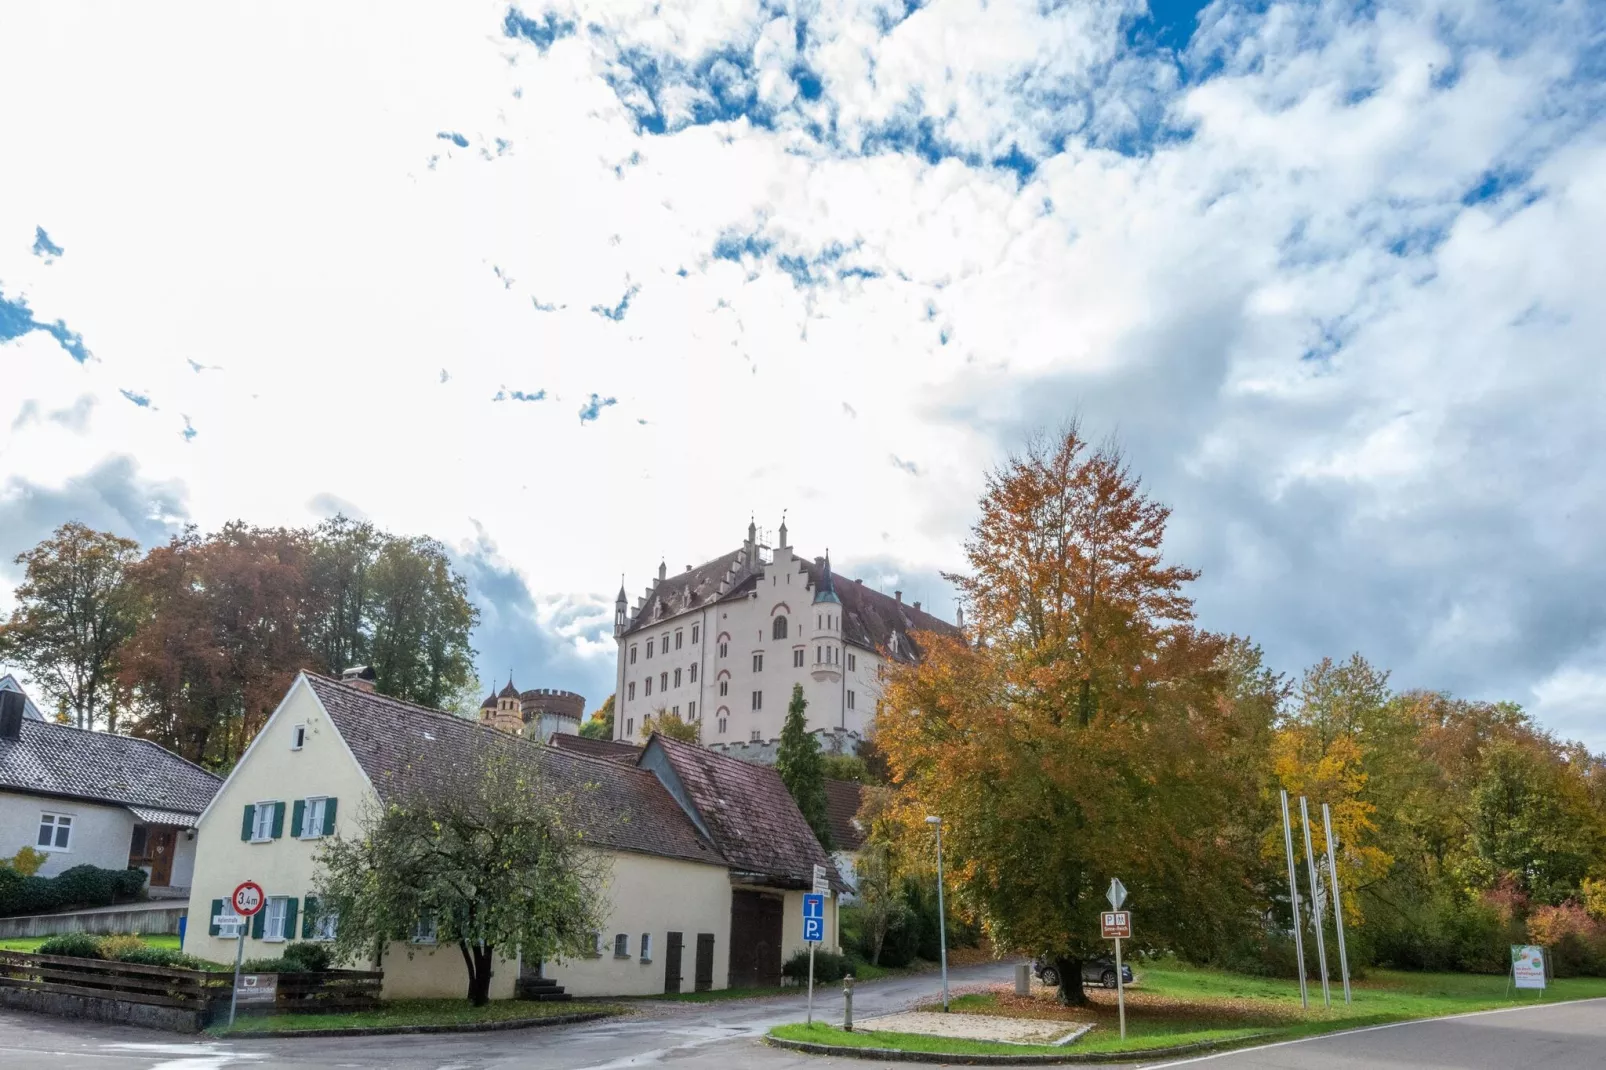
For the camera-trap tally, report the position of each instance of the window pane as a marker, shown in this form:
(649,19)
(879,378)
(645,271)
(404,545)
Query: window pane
(47,829)
(62,832)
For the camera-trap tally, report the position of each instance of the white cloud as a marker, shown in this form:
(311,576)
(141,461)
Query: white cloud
(1374,406)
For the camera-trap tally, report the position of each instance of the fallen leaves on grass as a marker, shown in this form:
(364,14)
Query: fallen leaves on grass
(1043,1004)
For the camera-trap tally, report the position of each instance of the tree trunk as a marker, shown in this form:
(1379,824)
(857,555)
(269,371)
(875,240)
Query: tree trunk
(478,961)
(1070,971)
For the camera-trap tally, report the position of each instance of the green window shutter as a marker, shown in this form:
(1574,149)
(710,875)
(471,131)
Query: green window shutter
(250,819)
(257,921)
(298,817)
(329,816)
(278,820)
(290,920)
(212,927)
(309,917)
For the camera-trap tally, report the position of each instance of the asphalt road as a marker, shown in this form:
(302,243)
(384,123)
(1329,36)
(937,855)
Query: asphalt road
(724,1036)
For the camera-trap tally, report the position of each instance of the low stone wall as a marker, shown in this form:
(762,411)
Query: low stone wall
(135,918)
(94,1009)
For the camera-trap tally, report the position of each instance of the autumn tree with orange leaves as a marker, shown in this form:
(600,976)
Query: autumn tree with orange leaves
(1084,730)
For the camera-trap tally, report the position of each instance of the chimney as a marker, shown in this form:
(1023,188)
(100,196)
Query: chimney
(898,595)
(961,618)
(917,607)
(11,706)
(359,676)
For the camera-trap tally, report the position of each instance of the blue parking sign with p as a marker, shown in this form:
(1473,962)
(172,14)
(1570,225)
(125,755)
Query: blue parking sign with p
(814,918)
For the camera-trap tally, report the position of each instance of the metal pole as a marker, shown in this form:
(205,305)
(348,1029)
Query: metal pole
(811,983)
(239,955)
(1338,904)
(1293,898)
(1120,987)
(942,922)
(1316,904)
(847,1004)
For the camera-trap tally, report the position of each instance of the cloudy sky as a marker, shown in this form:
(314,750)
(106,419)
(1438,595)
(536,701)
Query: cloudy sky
(577,288)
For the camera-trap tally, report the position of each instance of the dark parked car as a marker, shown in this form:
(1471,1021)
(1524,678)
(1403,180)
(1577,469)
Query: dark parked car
(1094,971)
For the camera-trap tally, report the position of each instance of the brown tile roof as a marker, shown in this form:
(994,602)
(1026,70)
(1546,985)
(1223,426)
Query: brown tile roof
(57,759)
(678,594)
(406,748)
(842,801)
(750,814)
(607,749)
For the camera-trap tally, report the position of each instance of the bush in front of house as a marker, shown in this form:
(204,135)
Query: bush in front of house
(114,947)
(296,958)
(80,886)
(829,967)
(72,945)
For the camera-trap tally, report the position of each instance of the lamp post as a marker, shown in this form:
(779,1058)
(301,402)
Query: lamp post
(942,916)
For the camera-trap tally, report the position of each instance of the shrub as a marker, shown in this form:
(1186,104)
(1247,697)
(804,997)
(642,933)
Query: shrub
(145,955)
(128,884)
(116,946)
(25,862)
(80,886)
(1577,942)
(306,958)
(274,965)
(829,967)
(72,945)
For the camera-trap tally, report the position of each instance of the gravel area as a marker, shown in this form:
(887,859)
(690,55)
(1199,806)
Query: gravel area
(971,1027)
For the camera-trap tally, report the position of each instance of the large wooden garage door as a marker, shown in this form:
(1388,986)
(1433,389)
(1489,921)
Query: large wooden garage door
(755,940)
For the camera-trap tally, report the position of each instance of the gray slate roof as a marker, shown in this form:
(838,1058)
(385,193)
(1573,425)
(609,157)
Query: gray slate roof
(406,748)
(57,759)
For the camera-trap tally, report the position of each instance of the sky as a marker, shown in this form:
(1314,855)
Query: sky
(578,288)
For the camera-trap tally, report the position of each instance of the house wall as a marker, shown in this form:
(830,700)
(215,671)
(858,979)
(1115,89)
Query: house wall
(792,926)
(271,771)
(183,860)
(437,971)
(101,835)
(654,895)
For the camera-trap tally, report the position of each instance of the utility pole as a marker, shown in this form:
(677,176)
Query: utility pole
(942,916)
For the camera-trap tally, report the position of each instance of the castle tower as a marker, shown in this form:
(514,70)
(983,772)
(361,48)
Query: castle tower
(508,716)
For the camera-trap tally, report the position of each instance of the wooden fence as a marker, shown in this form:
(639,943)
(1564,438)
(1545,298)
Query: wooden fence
(134,918)
(330,991)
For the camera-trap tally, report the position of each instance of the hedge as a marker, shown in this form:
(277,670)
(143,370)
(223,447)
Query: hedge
(80,886)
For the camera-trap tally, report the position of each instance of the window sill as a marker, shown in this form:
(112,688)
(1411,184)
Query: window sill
(267,840)
(621,958)
(273,939)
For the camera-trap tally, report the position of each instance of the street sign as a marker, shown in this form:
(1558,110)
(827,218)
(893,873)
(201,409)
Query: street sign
(1117,924)
(248,899)
(1117,893)
(256,988)
(814,906)
(229,925)
(1527,966)
(822,886)
(814,930)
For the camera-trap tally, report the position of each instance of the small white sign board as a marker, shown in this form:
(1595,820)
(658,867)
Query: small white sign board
(1527,966)
(822,885)
(257,988)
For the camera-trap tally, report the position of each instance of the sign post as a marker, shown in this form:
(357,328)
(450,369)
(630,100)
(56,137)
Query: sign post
(813,931)
(246,900)
(1338,901)
(1118,923)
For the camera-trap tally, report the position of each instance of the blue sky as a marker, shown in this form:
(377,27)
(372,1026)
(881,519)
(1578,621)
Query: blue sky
(1330,272)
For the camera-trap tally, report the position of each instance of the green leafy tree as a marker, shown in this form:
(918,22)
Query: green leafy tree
(75,608)
(797,759)
(600,723)
(421,620)
(340,589)
(665,723)
(493,856)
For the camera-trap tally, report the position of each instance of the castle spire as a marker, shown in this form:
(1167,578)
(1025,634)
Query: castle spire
(826,592)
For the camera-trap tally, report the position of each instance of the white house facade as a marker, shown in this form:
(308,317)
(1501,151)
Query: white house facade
(723,643)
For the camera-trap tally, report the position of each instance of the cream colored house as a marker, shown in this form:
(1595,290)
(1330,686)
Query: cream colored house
(334,750)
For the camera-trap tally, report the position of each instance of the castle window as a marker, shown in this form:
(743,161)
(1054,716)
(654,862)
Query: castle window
(724,688)
(694,630)
(630,691)
(779,628)
(853,662)
(724,648)
(675,711)
(649,685)
(758,662)
(850,700)
(756,737)
(663,644)
(691,711)
(649,648)
(797,658)
(663,681)
(722,726)
(677,677)
(758,700)
(632,653)
(630,727)
(678,638)
(694,672)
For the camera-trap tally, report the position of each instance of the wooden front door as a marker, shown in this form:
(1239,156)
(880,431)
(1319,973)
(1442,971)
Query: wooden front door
(672,963)
(755,940)
(705,962)
(160,846)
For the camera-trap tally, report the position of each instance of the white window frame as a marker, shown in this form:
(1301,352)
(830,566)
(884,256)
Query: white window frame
(755,737)
(758,701)
(425,931)
(850,700)
(306,817)
(691,710)
(57,822)
(696,630)
(298,736)
(269,936)
(758,661)
(262,821)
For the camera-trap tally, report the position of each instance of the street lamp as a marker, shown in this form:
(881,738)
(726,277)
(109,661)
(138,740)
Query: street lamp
(942,916)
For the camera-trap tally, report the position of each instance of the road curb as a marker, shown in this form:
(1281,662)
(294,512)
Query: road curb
(895,1056)
(467,1027)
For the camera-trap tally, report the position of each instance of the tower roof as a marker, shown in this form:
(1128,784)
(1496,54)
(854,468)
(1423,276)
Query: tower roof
(826,592)
(490,702)
(509,691)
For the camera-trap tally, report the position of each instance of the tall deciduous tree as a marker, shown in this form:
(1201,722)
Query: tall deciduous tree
(341,590)
(421,619)
(74,610)
(1084,734)
(797,759)
(600,723)
(493,856)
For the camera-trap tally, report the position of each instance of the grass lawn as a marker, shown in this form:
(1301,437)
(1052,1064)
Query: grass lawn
(1174,1004)
(414,1012)
(31,943)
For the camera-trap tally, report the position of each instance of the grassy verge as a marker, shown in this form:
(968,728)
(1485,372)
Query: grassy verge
(1178,1005)
(31,943)
(404,1012)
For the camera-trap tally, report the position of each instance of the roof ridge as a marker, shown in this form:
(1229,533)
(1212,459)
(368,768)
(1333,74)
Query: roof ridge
(118,735)
(382,697)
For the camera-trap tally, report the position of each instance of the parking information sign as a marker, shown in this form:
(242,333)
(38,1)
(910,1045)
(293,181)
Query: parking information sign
(814,918)
(1117,924)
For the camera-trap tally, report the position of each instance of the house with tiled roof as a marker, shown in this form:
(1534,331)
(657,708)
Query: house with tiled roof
(843,798)
(722,643)
(93,798)
(680,861)
(609,749)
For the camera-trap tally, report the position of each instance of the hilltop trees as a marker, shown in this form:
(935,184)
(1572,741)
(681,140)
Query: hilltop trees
(797,759)
(600,724)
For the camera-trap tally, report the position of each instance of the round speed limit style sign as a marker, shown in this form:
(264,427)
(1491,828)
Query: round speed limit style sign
(248,899)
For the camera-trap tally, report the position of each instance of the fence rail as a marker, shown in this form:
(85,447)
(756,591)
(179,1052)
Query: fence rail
(162,986)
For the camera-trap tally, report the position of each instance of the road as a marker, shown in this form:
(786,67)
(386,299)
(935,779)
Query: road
(724,1036)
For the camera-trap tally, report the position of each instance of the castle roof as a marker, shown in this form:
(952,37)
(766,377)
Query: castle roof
(825,590)
(509,691)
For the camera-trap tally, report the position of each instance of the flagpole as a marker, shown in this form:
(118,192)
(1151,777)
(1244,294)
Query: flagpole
(1293,899)
(1315,904)
(1338,903)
